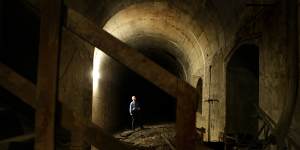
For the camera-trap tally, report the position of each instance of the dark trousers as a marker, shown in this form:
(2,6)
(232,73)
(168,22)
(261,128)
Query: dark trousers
(136,120)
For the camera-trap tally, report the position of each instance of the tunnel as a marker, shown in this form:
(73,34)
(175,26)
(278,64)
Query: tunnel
(243,93)
(114,84)
(164,40)
(237,55)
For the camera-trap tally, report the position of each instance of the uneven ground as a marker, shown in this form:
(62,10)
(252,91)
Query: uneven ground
(152,137)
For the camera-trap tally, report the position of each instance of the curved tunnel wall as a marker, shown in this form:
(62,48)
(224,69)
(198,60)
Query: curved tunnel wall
(163,34)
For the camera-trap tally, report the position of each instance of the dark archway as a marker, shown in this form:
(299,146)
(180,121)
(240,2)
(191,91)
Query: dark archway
(199,98)
(116,84)
(242,94)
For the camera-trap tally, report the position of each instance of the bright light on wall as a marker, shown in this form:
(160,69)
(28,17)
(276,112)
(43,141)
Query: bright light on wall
(99,58)
(95,74)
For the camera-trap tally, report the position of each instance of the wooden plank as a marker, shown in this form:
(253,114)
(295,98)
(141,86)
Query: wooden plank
(50,29)
(17,85)
(124,54)
(171,146)
(26,91)
(20,138)
(93,134)
(185,119)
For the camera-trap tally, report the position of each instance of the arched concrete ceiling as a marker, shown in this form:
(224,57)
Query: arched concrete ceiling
(140,23)
(198,28)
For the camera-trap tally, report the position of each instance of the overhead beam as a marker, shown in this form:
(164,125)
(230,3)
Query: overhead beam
(26,91)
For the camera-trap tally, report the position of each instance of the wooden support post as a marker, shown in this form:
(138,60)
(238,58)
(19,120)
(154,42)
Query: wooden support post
(50,28)
(185,118)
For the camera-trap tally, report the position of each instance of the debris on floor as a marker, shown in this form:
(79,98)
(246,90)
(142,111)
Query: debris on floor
(152,137)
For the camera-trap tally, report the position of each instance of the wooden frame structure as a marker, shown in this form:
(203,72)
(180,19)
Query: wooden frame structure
(44,96)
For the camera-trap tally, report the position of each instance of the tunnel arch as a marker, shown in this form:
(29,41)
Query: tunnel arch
(242,92)
(158,20)
(162,33)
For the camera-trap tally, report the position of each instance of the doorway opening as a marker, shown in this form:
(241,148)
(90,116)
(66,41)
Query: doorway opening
(242,94)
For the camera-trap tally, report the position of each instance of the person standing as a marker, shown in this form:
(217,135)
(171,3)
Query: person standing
(135,113)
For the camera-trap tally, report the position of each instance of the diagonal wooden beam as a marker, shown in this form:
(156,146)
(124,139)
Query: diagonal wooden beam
(19,138)
(121,52)
(26,91)
(17,85)
(185,94)
(118,50)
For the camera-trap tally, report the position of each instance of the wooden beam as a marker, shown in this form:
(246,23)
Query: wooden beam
(17,85)
(50,29)
(26,91)
(171,146)
(124,54)
(185,118)
(93,134)
(20,138)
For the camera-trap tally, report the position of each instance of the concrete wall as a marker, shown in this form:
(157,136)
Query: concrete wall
(268,31)
(75,82)
(107,92)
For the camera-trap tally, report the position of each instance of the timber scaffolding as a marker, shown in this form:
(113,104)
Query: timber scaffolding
(56,18)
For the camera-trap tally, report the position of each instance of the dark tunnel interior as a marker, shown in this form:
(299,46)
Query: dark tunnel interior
(157,106)
(118,84)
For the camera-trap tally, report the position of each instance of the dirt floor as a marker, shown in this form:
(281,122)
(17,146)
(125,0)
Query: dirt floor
(152,137)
